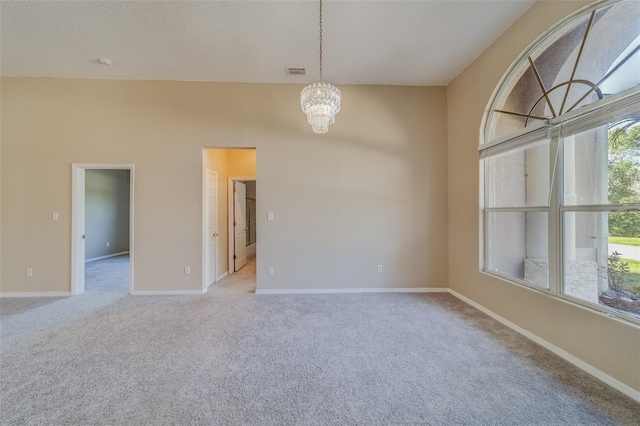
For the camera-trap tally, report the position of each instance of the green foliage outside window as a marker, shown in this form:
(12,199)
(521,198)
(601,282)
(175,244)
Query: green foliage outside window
(624,179)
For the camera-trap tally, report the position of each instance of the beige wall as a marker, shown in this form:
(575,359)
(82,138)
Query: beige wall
(607,344)
(228,163)
(242,162)
(374,187)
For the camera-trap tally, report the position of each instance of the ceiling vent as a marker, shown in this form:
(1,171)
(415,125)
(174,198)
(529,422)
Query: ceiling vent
(296,71)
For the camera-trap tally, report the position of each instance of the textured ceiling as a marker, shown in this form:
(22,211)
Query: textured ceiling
(417,43)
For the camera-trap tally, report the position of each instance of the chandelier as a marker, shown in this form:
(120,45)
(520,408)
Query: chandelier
(320,101)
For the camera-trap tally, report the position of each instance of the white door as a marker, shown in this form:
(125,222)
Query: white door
(212,226)
(77,231)
(239,225)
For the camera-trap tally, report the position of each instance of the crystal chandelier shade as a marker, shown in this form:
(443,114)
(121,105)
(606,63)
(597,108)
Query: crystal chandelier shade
(320,101)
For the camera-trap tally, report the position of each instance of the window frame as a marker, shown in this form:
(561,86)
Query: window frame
(604,111)
(535,47)
(520,140)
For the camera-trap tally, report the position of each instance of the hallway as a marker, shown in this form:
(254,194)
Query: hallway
(242,281)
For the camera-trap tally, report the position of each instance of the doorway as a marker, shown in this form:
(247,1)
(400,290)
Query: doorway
(223,170)
(102,228)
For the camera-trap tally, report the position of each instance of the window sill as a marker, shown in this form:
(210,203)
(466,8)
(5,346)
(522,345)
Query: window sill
(604,311)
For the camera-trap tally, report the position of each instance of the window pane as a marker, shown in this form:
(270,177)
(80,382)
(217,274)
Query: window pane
(600,267)
(579,63)
(519,178)
(623,73)
(602,165)
(517,246)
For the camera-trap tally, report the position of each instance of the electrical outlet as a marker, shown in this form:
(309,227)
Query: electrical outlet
(379,268)
(187,270)
(270,270)
(270,216)
(29,272)
(108,243)
(54,216)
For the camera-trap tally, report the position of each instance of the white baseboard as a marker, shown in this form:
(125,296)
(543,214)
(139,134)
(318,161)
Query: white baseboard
(106,257)
(36,294)
(625,389)
(221,276)
(353,290)
(166,292)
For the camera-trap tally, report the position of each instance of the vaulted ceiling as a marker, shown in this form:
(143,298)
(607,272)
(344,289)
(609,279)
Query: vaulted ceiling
(420,43)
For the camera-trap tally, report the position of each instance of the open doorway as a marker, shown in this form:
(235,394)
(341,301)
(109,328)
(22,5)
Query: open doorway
(102,228)
(229,218)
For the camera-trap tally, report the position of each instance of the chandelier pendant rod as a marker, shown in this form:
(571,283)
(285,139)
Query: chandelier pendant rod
(320,101)
(320,41)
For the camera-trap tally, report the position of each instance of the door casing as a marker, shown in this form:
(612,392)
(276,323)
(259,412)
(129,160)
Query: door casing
(78,221)
(205,213)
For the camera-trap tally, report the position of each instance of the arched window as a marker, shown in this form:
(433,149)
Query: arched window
(561,163)
(591,56)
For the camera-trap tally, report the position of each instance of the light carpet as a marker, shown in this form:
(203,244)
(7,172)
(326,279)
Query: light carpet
(231,357)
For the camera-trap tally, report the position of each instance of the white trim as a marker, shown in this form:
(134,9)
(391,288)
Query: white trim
(599,112)
(571,301)
(532,48)
(166,292)
(77,229)
(93,259)
(77,221)
(251,250)
(588,368)
(205,170)
(36,294)
(534,133)
(353,290)
(230,216)
(221,276)
(204,219)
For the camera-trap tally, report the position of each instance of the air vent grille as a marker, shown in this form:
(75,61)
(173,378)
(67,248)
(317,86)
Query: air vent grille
(296,71)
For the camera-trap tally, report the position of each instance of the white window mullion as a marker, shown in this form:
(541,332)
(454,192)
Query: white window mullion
(555,227)
(485,222)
